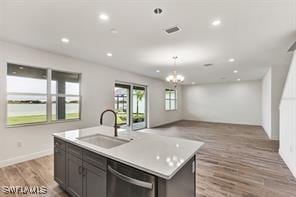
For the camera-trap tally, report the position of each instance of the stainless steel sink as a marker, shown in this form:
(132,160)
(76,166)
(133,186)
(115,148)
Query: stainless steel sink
(103,141)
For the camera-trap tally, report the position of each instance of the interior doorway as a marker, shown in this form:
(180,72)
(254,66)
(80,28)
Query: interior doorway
(130,103)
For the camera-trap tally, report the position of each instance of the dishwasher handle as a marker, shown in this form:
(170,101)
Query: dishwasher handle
(130,180)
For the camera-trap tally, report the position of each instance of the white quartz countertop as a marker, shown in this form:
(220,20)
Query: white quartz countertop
(158,155)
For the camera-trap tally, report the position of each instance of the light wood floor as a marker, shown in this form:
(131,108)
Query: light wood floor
(236,160)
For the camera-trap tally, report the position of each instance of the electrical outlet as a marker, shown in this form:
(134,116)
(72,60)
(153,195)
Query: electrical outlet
(19,144)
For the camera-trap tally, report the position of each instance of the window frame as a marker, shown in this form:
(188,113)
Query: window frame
(62,95)
(48,96)
(171,99)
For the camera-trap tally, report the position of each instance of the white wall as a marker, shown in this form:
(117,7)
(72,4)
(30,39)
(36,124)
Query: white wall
(238,103)
(266,103)
(97,95)
(279,75)
(272,88)
(288,119)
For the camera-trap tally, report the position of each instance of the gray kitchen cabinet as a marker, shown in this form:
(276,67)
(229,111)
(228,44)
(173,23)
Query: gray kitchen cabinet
(74,175)
(79,172)
(94,181)
(60,163)
(182,184)
(60,167)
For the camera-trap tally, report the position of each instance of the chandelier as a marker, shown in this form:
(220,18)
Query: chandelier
(175,78)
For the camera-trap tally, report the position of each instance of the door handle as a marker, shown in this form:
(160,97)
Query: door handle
(130,180)
(193,167)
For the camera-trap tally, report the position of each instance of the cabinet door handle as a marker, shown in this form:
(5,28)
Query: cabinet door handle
(80,169)
(193,167)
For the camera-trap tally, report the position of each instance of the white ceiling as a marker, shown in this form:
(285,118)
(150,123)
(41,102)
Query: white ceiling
(257,33)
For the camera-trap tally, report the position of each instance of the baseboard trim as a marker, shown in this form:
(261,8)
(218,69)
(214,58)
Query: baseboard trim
(166,124)
(224,122)
(267,133)
(290,165)
(221,122)
(23,158)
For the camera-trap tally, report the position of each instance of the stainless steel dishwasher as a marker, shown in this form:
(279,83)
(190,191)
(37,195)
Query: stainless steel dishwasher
(124,181)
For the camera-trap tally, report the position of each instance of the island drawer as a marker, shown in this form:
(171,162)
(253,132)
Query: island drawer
(59,144)
(74,150)
(95,159)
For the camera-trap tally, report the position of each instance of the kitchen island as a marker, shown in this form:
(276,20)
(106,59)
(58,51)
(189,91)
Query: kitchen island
(92,162)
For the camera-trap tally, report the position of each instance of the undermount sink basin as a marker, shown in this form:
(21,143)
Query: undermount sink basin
(103,141)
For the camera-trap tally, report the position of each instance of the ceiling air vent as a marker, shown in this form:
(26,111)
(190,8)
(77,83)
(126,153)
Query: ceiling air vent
(172,29)
(207,65)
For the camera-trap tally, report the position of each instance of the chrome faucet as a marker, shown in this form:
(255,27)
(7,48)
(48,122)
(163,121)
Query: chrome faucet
(115,120)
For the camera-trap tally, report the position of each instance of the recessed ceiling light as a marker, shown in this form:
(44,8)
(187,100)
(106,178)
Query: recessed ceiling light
(65,40)
(104,17)
(21,68)
(109,54)
(216,22)
(14,72)
(157,11)
(193,83)
(231,60)
(158,71)
(235,71)
(238,79)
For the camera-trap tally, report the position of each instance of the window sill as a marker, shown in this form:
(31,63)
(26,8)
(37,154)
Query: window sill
(42,123)
(168,110)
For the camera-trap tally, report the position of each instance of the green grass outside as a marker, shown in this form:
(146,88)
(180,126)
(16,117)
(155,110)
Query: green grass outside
(121,117)
(16,120)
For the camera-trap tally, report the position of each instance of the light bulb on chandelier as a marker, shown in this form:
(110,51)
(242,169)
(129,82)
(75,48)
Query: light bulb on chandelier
(175,78)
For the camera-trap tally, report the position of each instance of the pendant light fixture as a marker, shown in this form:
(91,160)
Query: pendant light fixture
(175,78)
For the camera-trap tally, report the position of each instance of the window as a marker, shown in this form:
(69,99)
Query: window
(29,99)
(170,99)
(26,95)
(65,95)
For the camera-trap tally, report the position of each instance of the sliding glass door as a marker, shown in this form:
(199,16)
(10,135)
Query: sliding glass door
(122,103)
(130,105)
(139,107)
